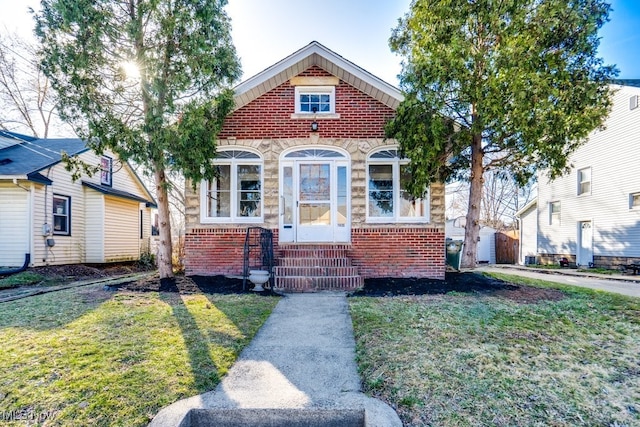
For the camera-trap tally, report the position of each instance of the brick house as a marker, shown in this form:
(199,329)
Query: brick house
(304,155)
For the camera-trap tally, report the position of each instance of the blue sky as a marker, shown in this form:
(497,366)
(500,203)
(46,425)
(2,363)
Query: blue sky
(266,31)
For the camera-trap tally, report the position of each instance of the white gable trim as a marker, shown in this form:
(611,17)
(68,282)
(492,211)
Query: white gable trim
(310,55)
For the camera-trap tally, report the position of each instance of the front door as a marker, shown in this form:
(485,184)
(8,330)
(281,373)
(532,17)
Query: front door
(314,198)
(585,244)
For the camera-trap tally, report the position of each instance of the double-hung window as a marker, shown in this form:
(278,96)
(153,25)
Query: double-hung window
(235,195)
(387,200)
(634,201)
(61,215)
(554,213)
(584,181)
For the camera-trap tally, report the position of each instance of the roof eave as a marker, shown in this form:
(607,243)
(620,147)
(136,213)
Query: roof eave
(315,48)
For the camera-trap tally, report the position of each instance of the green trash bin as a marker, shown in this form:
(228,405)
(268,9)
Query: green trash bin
(453,249)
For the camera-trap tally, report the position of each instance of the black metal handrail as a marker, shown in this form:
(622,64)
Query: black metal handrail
(258,253)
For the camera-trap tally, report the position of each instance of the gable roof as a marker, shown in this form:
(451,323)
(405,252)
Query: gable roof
(316,54)
(628,82)
(25,156)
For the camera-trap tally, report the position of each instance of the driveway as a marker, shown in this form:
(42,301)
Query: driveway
(625,285)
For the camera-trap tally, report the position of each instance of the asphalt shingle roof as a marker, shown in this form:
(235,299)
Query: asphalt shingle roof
(30,155)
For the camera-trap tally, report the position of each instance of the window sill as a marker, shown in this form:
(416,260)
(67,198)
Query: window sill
(315,116)
(209,220)
(393,221)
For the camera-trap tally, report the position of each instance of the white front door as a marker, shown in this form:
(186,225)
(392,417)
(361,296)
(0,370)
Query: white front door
(314,199)
(585,243)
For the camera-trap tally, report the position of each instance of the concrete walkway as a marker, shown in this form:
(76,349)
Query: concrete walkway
(302,361)
(617,283)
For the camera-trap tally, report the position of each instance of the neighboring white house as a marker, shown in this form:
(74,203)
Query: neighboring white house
(592,215)
(528,224)
(454,229)
(44,213)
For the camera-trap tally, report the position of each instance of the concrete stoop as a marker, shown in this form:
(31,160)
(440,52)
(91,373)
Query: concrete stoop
(275,418)
(353,409)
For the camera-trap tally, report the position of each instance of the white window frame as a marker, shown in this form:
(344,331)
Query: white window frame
(634,201)
(315,90)
(67,215)
(395,163)
(555,217)
(234,193)
(106,171)
(582,181)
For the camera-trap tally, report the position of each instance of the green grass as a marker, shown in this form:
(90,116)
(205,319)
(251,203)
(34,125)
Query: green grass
(88,357)
(473,360)
(24,278)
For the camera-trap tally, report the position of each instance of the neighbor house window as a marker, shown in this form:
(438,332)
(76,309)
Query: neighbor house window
(236,194)
(634,201)
(315,100)
(387,200)
(106,170)
(584,181)
(554,213)
(61,215)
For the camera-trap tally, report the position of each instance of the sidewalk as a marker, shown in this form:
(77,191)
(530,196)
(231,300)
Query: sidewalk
(301,364)
(618,283)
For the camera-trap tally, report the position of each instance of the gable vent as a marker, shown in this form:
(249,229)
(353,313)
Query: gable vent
(5,161)
(633,102)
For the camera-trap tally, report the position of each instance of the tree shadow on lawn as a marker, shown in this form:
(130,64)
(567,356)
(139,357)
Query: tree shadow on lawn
(52,310)
(228,336)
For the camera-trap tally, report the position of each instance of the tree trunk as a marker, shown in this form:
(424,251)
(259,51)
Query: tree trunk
(472,229)
(165,265)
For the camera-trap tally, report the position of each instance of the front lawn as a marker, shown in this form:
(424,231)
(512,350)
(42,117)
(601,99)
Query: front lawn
(484,359)
(86,356)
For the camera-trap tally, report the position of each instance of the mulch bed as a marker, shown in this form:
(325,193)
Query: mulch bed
(458,282)
(381,287)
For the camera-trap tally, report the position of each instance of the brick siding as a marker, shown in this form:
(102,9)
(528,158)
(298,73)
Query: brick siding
(377,252)
(269,116)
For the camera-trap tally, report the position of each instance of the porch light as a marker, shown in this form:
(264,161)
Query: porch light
(314,126)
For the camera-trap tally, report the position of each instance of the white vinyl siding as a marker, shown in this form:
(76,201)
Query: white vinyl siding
(529,233)
(88,215)
(94,236)
(14,225)
(614,153)
(122,230)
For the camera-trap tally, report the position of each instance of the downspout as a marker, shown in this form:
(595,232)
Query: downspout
(27,256)
(27,260)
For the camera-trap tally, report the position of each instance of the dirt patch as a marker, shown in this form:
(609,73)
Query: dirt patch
(457,282)
(75,272)
(186,285)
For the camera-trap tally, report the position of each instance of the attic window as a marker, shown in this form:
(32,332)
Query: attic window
(315,100)
(5,162)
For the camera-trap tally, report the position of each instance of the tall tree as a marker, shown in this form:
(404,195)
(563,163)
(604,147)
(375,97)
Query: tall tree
(148,79)
(497,84)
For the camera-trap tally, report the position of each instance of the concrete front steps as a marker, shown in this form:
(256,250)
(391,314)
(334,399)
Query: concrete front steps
(315,267)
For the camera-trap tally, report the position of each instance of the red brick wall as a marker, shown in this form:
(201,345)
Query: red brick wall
(377,252)
(214,251)
(269,116)
(398,252)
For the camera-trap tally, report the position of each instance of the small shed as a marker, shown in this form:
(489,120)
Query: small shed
(454,229)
